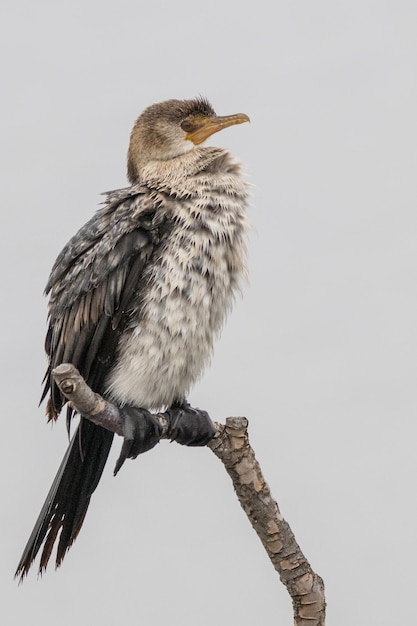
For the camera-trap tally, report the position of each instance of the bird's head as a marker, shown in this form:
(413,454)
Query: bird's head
(169,129)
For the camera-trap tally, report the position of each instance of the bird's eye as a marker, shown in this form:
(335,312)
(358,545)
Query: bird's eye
(187,126)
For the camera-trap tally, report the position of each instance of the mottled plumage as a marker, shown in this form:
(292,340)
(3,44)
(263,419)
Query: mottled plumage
(139,294)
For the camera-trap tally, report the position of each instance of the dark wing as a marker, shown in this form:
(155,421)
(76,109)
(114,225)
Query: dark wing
(91,286)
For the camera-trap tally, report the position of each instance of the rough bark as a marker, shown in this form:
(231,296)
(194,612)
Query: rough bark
(231,445)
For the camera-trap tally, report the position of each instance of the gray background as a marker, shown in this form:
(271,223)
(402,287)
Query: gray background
(320,354)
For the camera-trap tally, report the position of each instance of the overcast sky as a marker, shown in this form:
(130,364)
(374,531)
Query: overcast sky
(320,354)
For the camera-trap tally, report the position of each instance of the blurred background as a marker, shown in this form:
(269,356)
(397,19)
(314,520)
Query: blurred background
(320,354)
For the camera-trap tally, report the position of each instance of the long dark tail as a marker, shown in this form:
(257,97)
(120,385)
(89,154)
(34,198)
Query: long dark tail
(68,499)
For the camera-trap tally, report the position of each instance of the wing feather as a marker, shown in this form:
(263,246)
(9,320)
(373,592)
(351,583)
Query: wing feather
(91,288)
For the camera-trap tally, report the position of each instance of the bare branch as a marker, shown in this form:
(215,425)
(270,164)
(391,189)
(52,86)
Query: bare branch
(231,445)
(91,405)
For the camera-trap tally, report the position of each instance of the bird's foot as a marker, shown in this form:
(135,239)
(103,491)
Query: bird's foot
(189,426)
(141,432)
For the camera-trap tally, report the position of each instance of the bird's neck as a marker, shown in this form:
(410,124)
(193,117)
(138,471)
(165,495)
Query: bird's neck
(182,167)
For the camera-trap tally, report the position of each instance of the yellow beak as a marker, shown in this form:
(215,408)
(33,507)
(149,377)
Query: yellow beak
(206,126)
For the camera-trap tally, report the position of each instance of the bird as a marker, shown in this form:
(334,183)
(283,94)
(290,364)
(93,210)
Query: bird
(137,298)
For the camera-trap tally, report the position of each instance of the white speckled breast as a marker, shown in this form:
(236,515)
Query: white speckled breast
(191,281)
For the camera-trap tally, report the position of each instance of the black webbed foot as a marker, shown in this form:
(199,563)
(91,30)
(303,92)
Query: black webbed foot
(141,432)
(189,426)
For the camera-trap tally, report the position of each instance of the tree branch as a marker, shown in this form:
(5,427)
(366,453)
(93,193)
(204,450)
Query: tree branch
(231,445)
(91,405)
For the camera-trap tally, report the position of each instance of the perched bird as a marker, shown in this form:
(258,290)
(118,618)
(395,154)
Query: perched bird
(137,297)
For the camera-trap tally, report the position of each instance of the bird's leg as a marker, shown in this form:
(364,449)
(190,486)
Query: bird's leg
(189,426)
(141,432)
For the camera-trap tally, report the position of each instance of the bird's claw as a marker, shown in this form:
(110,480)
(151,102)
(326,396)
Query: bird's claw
(189,426)
(141,432)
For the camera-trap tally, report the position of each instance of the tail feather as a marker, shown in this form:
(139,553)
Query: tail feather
(67,501)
